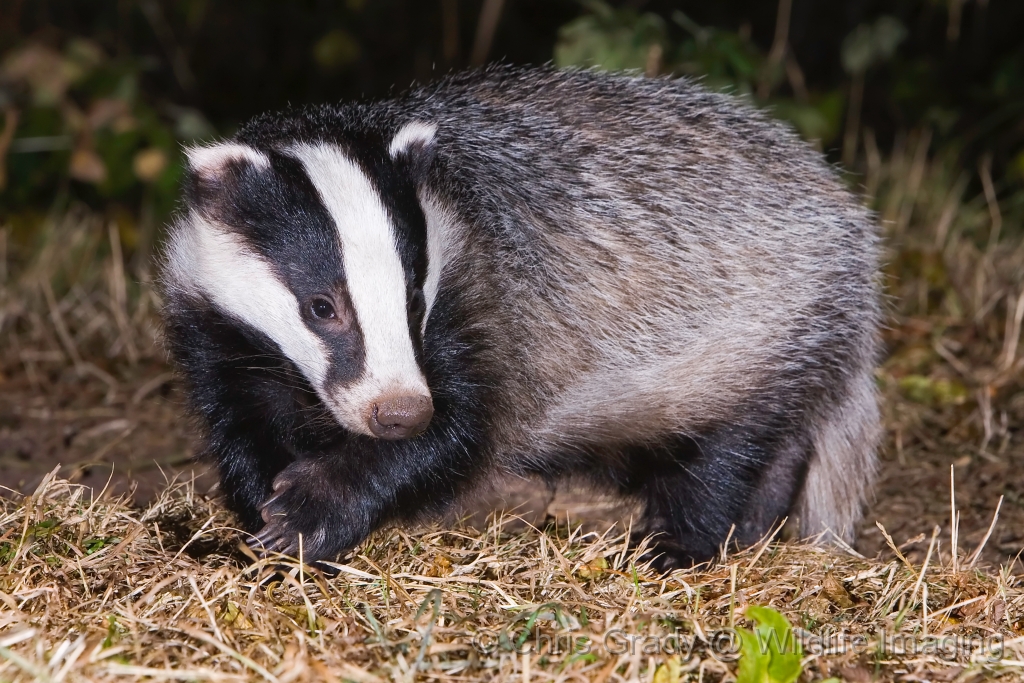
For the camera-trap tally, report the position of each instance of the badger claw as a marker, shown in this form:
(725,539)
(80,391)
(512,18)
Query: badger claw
(277,534)
(273,538)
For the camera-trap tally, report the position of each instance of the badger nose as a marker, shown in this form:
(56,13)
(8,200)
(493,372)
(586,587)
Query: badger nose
(401,417)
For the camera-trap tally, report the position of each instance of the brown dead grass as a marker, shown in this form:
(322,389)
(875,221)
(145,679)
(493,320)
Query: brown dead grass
(96,590)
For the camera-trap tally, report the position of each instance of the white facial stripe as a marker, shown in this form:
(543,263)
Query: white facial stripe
(213,158)
(374,275)
(412,133)
(203,258)
(440,236)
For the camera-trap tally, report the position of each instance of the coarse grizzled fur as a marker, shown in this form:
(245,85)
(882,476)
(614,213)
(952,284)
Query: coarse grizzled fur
(632,280)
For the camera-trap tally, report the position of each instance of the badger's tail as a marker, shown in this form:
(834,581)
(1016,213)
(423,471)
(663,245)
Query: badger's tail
(842,469)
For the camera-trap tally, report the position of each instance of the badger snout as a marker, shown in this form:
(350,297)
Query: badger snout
(400,417)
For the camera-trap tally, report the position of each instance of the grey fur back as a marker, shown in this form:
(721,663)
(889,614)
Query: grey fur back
(661,254)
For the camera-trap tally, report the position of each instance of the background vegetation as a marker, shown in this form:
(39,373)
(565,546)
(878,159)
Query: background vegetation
(99,95)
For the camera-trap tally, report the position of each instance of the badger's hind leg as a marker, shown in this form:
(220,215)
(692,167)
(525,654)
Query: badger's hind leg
(735,482)
(744,480)
(775,493)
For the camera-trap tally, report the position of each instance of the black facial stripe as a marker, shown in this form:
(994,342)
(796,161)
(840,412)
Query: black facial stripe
(397,187)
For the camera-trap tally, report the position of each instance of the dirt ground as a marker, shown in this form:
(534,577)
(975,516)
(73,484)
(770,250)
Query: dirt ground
(131,435)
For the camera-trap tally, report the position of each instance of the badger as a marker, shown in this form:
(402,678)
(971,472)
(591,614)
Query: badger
(376,306)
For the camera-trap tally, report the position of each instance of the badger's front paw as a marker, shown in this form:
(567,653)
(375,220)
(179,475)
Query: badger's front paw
(308,503)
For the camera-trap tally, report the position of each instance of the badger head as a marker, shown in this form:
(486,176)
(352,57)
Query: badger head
(319,246)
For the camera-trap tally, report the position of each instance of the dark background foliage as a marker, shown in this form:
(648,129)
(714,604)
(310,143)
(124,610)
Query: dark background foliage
(191,69)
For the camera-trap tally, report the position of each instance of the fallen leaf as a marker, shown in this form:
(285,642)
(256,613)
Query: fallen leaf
(87,166)
(836,592)
(148,164)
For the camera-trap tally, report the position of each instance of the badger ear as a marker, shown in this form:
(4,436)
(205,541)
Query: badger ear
(211,160)
(414,146)
(216,168)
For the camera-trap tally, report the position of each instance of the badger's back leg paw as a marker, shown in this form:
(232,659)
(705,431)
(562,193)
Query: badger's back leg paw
(663,553)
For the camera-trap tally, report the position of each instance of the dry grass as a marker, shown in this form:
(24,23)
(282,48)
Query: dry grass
(96,590)
(93,587)
(67,300)
(953,384)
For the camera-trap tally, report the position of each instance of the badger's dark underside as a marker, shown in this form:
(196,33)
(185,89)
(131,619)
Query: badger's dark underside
(287,468)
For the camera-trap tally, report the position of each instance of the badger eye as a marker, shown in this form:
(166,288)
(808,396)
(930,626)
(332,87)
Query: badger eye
(322,308)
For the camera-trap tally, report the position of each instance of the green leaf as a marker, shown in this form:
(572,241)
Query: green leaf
(869,45)
(819,119)
(770,653)
(933,392)
(669,672)
(610,39)
(335,50)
